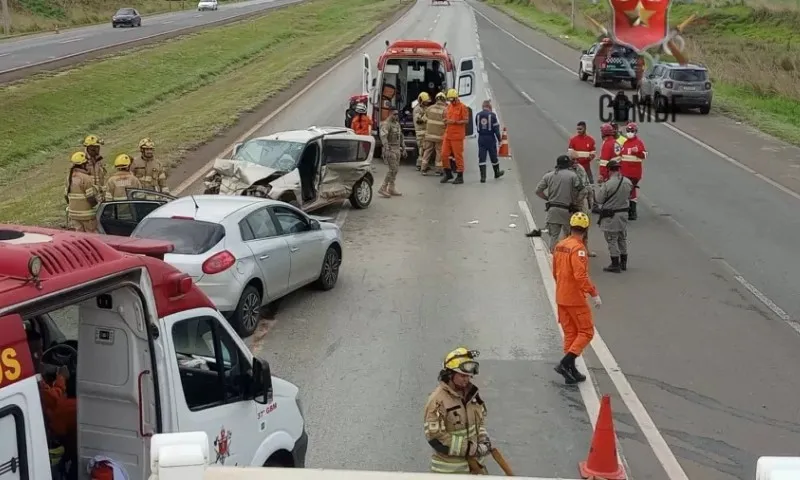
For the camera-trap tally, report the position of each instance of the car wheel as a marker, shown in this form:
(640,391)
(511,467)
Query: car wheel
(705,109)
(362,194)
(114,25)
(248,312)
(329,273)
(581,74)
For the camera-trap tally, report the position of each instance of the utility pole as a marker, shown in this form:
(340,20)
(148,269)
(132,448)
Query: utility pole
(6,17)
(572,15)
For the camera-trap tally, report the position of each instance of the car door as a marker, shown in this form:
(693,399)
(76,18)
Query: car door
(587,59)
(347,159)
(366,76)
(467,90)
(305,244)
(271,252)
(122,216)
(144,194)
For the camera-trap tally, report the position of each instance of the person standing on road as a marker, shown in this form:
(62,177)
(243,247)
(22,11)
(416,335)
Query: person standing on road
(559,188)
(121,180)
(95,166)
(609,150)
(81,195)
(622,107)
(362,123)
(148,170)
(582,148)
(434,134)
(584,200)
(455,416)
(488,136)
(393,151)
(571,273)
(614,200)
(455,121)
(420,121)
(632,156)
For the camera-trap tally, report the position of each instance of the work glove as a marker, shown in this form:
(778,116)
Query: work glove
(477,449)
(597,301)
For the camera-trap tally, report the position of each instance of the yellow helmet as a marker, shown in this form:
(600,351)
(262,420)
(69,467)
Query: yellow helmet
(146,143)
(92,141)
(122,160)
(424,97)
(440,96)
(78,158)
(452,94)
(462,360)
(579,219)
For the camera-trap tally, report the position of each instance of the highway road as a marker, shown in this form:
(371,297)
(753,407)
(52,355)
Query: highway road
(700,368)
(47,47)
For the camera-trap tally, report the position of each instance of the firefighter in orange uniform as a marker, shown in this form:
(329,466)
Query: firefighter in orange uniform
(455,119)
(362,123)
(632,156)
(609,150)
(571,273)
(582,148)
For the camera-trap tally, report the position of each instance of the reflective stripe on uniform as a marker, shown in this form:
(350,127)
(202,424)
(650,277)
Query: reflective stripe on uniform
(603,163)
(451,465)
(81,214)
(55,455)
(457,443)
(631,158)
(582,154)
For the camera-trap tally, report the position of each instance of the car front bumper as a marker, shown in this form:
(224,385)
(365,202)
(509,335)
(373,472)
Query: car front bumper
(299,451)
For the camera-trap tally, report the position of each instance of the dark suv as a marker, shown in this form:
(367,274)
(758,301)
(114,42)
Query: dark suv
(607,62)
(679,86)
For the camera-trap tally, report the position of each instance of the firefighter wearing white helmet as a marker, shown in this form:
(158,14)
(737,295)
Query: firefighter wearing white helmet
(455,416)
(81,195)
(420,124)
(122,179)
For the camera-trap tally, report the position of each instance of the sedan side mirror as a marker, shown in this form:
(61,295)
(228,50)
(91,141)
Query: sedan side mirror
(261,381)
(585,52)
(236,148)
(315,225)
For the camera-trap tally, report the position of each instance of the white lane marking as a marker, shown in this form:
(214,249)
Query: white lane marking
(198,15)
(205,168)
(166,23)
(4,54)
(485,77)
(674,129)
(495,66)
(71,40)
(768,303)
(527,97)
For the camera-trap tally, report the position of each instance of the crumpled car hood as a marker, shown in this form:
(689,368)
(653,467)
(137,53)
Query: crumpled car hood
(237,176)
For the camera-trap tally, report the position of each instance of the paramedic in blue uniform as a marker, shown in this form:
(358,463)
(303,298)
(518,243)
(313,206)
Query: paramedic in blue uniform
(488,136)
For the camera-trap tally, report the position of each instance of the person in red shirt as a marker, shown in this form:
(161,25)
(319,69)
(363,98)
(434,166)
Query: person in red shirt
(455,120)
(632,155)
(571,273)
(609,150)
(582,148)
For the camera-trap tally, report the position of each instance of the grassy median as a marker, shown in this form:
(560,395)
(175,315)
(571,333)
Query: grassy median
(752,51)
(180,93)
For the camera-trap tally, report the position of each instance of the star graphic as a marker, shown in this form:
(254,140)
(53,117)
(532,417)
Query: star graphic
(639,15)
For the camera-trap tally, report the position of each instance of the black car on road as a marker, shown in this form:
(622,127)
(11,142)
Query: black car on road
(126,17)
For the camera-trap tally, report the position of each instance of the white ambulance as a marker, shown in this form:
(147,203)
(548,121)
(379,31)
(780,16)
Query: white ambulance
(151,355)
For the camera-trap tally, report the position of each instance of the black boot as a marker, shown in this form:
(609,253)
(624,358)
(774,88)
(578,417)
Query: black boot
(632,211)
(448,175)
(483,173)
(459,178)
(497,172)
(579,377)
(564,368)
(614,267)
(623,262)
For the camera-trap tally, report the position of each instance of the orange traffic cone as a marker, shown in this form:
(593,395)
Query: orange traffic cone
(602,460)
(503,151)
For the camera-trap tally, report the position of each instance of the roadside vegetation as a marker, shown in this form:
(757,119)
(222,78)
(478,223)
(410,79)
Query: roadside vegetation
(31,16)
(751,49)
(180,93)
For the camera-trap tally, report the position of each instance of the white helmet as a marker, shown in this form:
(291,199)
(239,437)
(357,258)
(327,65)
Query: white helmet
(361,108)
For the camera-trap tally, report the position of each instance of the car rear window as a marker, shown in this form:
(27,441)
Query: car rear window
(190,237)
(688,75)
(125,11)
(623,51)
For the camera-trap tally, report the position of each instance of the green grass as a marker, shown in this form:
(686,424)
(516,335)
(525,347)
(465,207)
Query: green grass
(181,93)
(752,51)
(32,16)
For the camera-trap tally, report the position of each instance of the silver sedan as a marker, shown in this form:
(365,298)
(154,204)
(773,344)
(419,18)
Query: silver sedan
(243,252)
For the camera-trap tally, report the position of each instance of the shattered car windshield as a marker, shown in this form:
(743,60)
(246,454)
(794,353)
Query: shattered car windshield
(276,154)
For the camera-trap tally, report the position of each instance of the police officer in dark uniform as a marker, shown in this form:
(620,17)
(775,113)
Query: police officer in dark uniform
(488,136)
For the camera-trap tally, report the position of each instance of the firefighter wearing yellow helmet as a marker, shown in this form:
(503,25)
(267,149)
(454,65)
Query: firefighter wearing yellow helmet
(95,165)
(81,195)
(455,416)
(434,134)
(420,123)
(148,170)
(122,179)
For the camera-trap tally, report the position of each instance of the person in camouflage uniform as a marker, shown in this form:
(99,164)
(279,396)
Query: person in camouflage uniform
(393,151)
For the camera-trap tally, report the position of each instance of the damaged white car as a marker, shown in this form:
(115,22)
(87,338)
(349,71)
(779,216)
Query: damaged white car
(307,168)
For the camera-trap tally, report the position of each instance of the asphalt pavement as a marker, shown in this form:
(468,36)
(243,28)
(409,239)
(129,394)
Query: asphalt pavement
(35,49)
(686,344)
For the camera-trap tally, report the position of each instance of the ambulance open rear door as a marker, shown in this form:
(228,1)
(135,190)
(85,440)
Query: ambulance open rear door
(467,89)
(366,80)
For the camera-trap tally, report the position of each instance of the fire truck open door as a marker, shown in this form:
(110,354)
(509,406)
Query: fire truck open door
(467,88)
(366,80)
